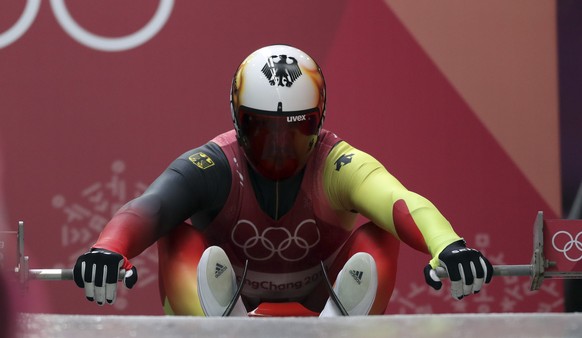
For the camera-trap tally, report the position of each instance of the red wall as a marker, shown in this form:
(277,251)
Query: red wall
(83,129)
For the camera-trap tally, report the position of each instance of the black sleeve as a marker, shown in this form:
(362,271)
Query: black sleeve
(195,185)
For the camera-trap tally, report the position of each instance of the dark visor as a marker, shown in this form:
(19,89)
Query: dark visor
(278,144)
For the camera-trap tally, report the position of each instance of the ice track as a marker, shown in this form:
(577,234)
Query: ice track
(433,326)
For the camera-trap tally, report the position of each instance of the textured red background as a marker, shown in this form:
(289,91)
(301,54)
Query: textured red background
(84,130)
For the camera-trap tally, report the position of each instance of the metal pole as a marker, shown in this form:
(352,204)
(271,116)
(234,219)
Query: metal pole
(58,274)
(498,270)
(67,274)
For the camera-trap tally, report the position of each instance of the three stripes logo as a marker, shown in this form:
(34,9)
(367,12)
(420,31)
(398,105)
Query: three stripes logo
(357,275)
(219,270)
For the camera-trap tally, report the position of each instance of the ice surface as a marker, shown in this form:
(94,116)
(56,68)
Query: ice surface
(434,326)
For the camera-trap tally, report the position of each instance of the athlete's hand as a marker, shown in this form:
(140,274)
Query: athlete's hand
(97,271)
(467,269)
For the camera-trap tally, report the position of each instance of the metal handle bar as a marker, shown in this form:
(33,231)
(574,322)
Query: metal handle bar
(498,270)
(58,274)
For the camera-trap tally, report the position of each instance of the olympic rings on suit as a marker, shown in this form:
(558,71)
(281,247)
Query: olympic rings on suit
(265,240)
(569,245)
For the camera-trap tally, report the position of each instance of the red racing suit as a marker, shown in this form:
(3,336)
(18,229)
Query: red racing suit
(284,229)
(284,252)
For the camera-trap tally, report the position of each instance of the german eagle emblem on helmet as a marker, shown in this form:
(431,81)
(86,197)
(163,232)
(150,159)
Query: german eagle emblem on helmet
(281,70)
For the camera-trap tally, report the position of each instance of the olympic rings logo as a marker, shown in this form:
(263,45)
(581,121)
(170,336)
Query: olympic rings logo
(572,241)
(83,36)
(262,246)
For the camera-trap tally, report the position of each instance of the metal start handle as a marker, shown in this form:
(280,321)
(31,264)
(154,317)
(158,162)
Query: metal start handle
(58,274)
(25,273)
(498,270)
(67,274)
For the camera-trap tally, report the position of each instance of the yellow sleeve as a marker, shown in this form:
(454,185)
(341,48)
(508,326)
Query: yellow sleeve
(354,180)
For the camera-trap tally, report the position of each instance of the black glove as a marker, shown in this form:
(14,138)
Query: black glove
(467,269)
(97,271)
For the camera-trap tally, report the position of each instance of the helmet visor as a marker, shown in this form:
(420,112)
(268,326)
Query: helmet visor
(277,145)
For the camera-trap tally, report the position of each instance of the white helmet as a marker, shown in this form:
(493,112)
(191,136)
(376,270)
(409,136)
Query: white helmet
(278,107)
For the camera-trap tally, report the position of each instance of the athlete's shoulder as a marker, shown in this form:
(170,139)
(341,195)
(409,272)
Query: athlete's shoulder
(226,139)
(204,159)
(343,153)
(346,163)
(199,180)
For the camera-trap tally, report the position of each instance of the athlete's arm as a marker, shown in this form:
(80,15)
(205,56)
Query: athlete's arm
(197,181)
(356,181)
